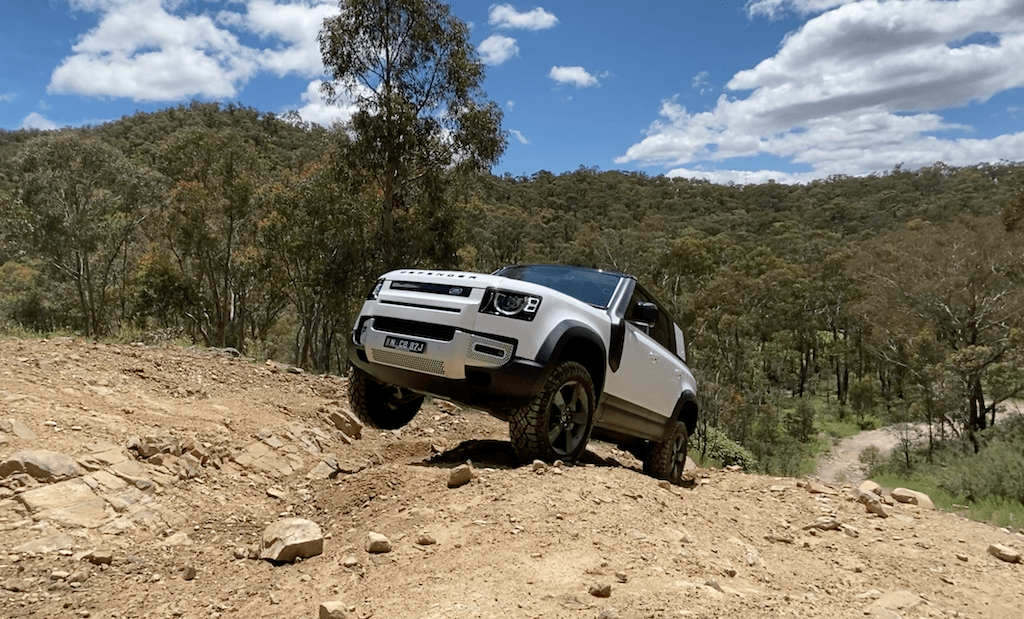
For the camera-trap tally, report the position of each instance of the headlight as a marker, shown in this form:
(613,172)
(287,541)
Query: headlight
(376,290)
(510,304)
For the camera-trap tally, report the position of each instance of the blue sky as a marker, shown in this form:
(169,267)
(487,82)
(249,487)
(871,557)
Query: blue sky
(741,91)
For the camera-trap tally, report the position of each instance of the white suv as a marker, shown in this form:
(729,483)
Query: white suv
(562,353)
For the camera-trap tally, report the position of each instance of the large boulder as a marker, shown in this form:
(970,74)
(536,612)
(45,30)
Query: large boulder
(291,538)
(71,503)
(48,466)
(913,497)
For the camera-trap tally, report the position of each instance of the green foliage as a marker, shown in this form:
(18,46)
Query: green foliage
(321,239)
(800,421)
(77,206)
(997,470)
(719,447)
(23,299)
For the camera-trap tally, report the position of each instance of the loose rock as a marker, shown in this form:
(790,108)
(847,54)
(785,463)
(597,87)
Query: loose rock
(291,538)
(1004,553)
(100,557)
(601,590)
(377,543)
(333,610)
(815,487)
(460,475)
(345,421)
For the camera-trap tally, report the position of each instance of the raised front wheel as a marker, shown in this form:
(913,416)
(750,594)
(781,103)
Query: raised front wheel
(556,424)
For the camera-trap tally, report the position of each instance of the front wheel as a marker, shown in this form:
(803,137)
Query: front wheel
(556,424)
(667,459)
(381,406)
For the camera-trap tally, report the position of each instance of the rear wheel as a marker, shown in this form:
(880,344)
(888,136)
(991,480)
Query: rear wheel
(556,424)
(379,405)
(667,460)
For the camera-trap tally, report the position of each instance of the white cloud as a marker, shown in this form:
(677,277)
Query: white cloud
(316,110)
(37,121)
(859,89)
(506,16)
(741,177)
(8,96)
(518,135)
(139,50)
(577,76)
(496,49)
(296,25)
(155,50)
(776,8)
(701,82)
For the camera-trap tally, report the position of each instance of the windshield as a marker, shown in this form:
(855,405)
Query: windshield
(588,285)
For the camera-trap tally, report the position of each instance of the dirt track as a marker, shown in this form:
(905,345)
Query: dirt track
(514,542)
(842,464)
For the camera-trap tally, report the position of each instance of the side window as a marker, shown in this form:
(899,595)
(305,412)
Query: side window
(663,330)
(680,343)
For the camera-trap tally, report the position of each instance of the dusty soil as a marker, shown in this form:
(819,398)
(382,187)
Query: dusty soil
(514,542)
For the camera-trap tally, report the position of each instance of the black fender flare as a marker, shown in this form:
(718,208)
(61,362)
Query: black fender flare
(617,344)
(687,401)
(565,332)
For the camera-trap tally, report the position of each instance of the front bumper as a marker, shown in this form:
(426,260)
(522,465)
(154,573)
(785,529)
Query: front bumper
(475,369)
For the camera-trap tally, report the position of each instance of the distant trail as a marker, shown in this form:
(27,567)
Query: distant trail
(842,464)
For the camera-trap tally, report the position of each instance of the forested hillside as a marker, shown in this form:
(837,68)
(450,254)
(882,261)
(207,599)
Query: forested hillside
(895,295)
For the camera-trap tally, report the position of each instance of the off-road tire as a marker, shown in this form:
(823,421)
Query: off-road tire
(556,425)
(667,459)
(379,405)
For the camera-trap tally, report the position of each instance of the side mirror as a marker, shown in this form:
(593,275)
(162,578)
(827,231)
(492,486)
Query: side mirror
(645,312)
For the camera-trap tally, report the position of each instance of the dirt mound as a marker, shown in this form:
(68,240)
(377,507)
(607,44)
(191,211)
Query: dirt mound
(181,459)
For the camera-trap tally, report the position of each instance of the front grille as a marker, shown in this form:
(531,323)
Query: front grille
(440,333)
(412,362)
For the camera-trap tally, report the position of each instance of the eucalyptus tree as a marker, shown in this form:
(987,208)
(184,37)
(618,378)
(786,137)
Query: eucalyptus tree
(209,225)
(318,235)
(956,287)
(422,114)
(77,207)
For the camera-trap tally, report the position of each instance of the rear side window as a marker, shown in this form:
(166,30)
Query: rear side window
(680,343)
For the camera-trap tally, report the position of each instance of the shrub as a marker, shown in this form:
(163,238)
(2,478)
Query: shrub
(871,458)
(997,471)
(800,422)
(728,452)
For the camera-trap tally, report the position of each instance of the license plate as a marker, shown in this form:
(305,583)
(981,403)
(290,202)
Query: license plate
(404,345)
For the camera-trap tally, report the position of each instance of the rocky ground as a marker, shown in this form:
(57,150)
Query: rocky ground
(140,482)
